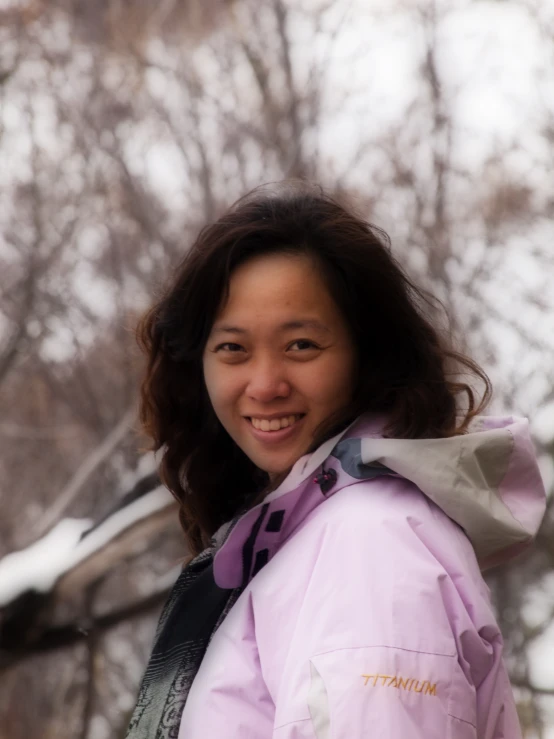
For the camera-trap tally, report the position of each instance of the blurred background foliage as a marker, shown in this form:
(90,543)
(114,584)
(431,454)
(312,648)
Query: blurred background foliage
(125,126)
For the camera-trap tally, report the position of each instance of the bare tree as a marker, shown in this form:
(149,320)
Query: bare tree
(127,127)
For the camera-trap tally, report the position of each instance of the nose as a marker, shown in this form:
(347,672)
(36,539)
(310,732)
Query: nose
(267,381)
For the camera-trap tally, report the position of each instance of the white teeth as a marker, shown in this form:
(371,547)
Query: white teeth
(275,424)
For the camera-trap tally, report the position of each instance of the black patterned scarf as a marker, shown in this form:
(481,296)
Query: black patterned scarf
(193,612)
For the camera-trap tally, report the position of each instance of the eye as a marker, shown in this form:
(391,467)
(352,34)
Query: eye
(311,344)
(228,344)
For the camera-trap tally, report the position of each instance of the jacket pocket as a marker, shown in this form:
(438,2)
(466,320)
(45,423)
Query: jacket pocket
(390,692)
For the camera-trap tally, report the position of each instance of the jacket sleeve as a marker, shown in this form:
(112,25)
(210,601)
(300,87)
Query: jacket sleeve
(396,694)
(392,643)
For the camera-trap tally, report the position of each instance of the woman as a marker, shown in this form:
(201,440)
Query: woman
(338,489)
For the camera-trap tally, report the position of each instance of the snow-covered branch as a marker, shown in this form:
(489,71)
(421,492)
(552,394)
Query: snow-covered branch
(72,556)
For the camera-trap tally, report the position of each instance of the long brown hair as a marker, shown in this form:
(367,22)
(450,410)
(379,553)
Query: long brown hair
(407,368)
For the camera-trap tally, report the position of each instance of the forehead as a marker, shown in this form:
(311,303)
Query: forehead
(278,287)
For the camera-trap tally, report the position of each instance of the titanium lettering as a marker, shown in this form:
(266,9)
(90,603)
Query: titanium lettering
(423,687)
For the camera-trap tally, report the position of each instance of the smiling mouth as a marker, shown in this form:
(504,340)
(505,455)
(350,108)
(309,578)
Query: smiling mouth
(275,424)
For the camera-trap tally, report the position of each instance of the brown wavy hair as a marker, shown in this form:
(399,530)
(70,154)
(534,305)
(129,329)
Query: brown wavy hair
(408,369)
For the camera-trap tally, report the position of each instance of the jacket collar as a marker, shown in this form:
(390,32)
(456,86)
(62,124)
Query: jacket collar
(245,544)
(487,481)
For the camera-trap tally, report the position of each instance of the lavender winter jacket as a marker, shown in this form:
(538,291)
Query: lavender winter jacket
(365,613)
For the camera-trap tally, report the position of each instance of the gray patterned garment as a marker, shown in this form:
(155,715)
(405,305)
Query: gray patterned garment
(194,611)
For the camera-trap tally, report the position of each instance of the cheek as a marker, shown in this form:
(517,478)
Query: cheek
(334,383)
(342,385)
(221,385)
(212,382)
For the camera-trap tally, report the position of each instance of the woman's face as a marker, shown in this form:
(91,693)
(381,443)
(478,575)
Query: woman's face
(279,359)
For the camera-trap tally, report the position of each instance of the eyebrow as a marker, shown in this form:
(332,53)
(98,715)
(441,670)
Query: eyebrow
(288,326)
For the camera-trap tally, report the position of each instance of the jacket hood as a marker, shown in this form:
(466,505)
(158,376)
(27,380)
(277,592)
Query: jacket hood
(486,480)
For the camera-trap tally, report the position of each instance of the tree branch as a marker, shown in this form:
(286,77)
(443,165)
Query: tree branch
(68,635)
(97,457)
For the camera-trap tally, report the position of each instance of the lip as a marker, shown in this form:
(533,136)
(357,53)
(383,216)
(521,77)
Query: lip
(275,437)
